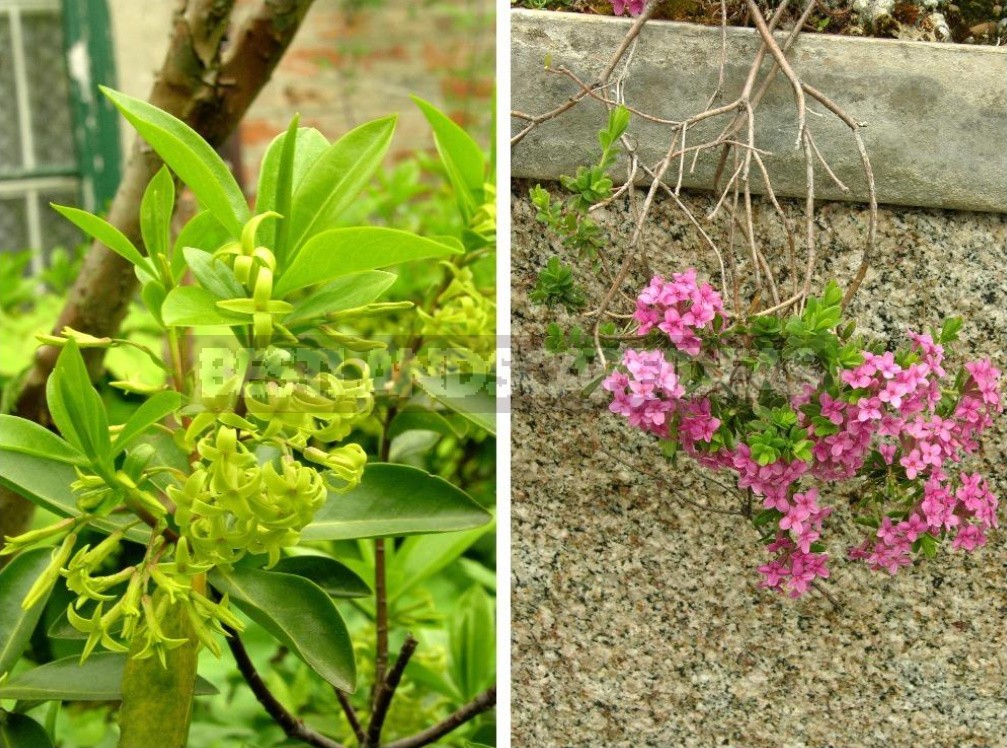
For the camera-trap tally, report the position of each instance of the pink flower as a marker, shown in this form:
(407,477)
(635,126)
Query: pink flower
(969,538)
(679,308)
(635,7)
(887,452)
(832,409)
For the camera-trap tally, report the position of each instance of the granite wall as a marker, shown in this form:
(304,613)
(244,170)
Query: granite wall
(637,620)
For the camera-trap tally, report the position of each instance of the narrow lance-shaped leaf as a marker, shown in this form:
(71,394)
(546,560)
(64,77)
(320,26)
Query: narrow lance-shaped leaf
(98,679)
(336,178)
(276,186)
(347,292)
(203,231)
(421,419)
(309,147)
(46,482)
(155,213)
(462,157)
(22,436)
(213,274)
(473,651)
(189,156)
(394,500)
(338,252)
(299,614)
(17,624)
(152,411)
(107,234)
(422,556)
(474,400)
(76,407)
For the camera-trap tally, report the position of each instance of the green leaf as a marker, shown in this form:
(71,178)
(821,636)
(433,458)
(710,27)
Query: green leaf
(415,418)
(213,274)
(337,579)
(152,411)
(422,556)
(46,482)
(473,642)
(17,624)
(277,234)
(189,306)
(338,252)
(335,179)
(203,231)
(462,157)
(153,294)
(98,679)
(21,731)
(474,401)
(105,233)
(478,573)
(347,292)
(157,699)
(299,614)
(284,155)
(76,407)
(189,156)
(950,329)
(155,213)
(434,678)
(27,437)
(395,500)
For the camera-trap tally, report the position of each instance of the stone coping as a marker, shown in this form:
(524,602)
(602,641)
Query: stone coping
(934,115)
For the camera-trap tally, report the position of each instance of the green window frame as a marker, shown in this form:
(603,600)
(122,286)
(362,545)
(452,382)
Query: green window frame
(60,140)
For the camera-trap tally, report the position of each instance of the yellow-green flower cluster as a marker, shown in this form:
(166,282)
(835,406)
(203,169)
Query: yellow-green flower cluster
(463,320)
(234,502)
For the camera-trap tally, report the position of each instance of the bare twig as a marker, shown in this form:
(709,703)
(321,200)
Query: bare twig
(386,692)
(482,703)
(351,716)
(601,82)
(292,726)
(381,620)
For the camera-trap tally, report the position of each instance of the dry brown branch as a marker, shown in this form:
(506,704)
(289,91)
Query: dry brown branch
(602,80)
(751,274)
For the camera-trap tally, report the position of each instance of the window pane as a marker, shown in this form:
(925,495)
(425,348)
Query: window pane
(10,135)
(48,95)
(13,224)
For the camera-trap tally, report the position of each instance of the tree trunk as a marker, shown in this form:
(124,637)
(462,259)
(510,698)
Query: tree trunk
(209,85)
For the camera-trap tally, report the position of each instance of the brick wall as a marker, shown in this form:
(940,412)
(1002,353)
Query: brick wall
(349,66)
(352,60)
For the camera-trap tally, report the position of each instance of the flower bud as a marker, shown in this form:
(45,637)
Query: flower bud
(47,579)
(33,537)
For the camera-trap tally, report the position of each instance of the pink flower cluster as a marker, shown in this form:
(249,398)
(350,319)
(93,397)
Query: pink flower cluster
(678,308)
(884,408)
(968,510)
(650,395)
(796,566)
(635,7)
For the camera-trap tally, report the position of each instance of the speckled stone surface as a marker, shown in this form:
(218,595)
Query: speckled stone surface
(636,616)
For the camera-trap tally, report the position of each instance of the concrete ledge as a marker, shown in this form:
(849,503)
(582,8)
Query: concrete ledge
(935,114)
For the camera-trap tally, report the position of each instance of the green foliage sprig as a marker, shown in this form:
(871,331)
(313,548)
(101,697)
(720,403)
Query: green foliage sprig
(289,384)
